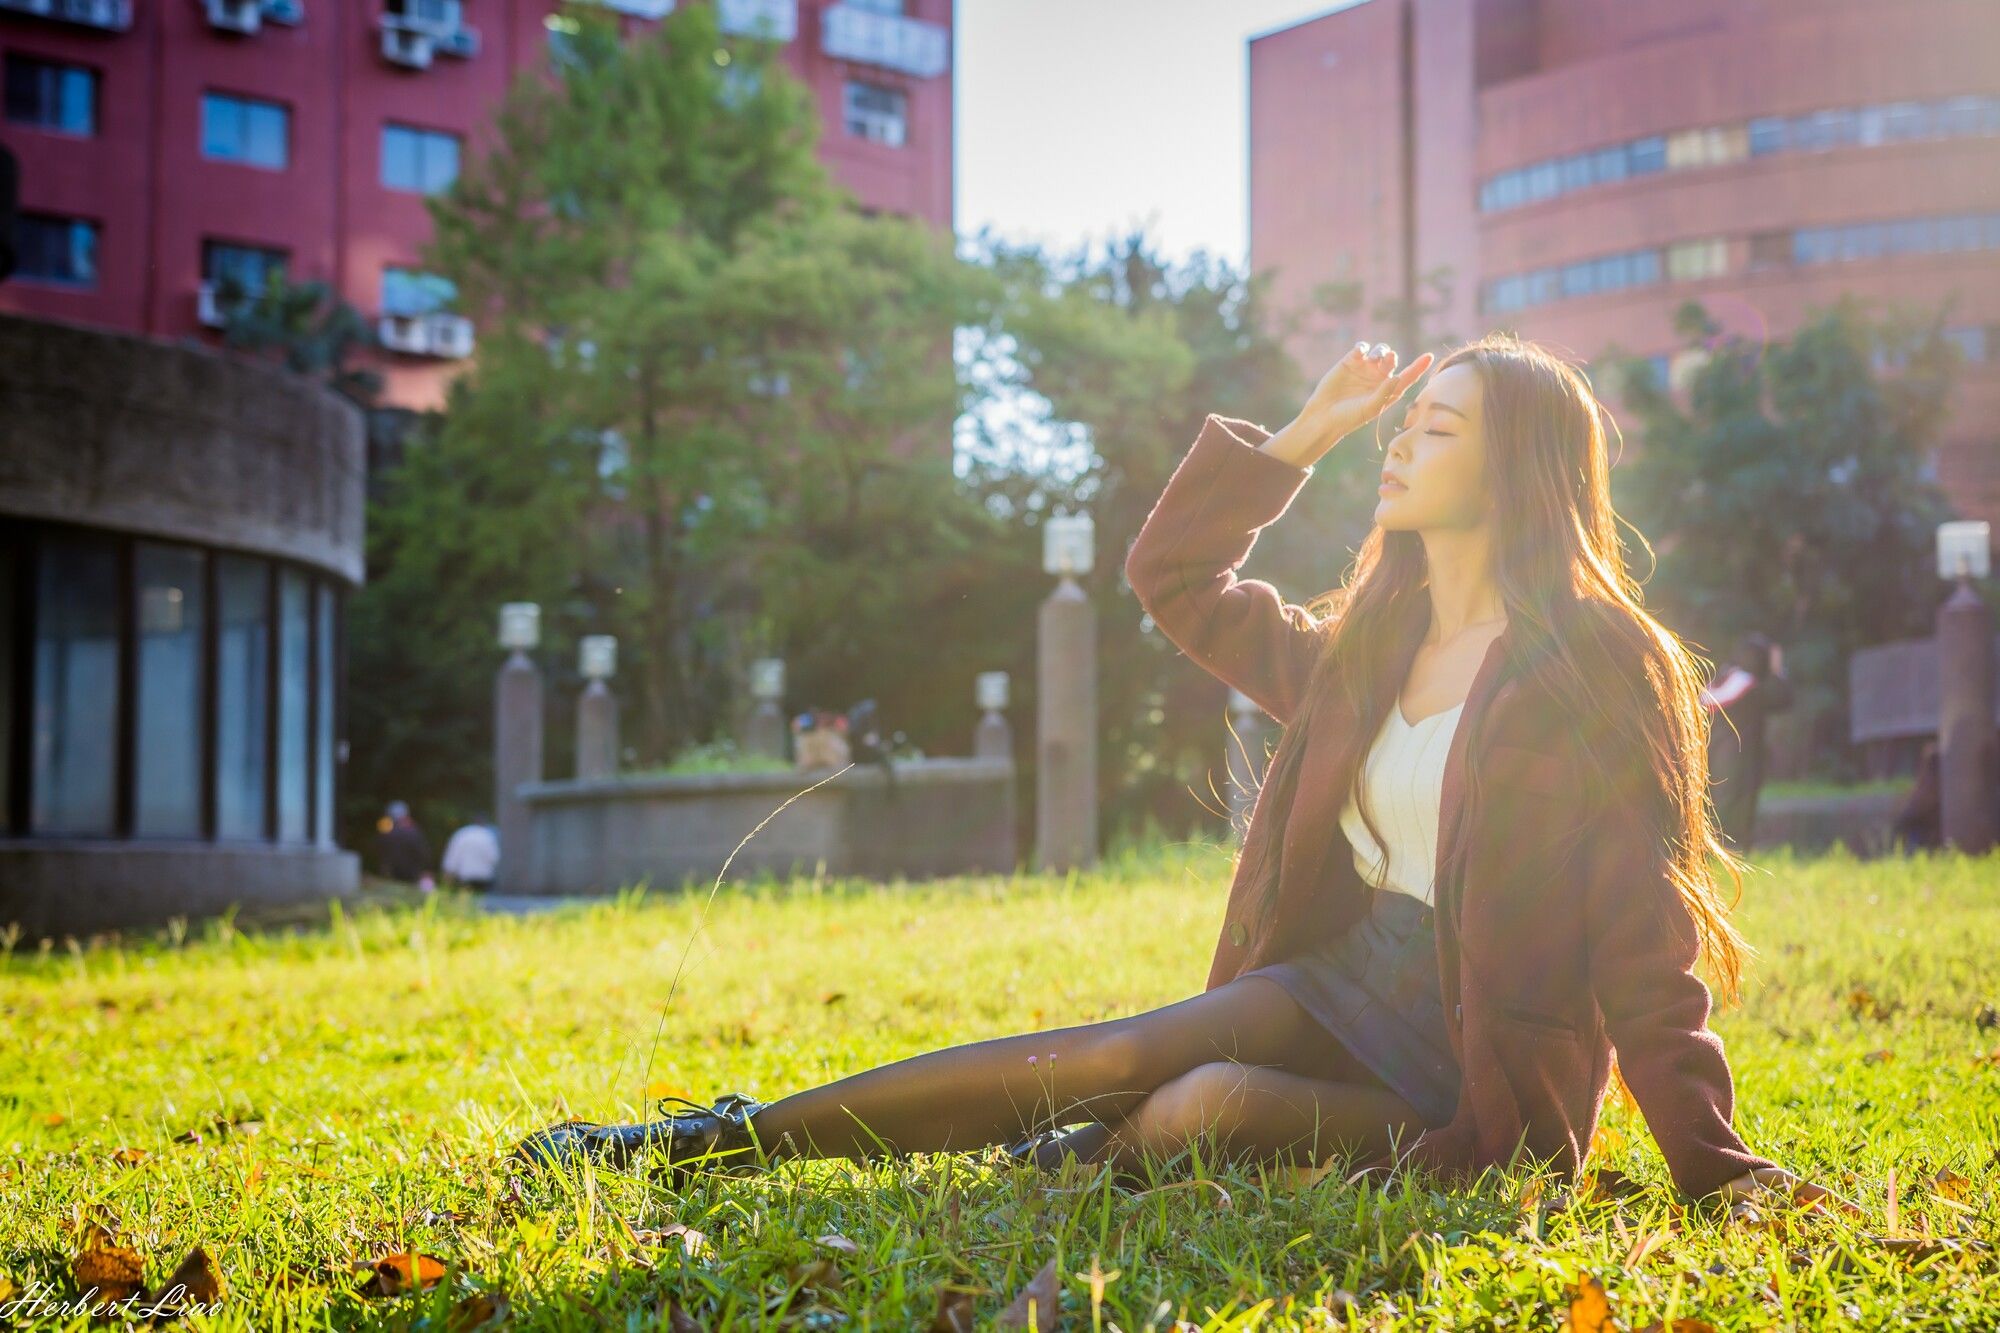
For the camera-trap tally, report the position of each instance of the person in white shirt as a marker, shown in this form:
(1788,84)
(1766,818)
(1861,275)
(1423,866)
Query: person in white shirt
(473,855)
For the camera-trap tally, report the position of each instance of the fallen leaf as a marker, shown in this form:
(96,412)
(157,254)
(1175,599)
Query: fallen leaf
(693,1242)
(1878,1057)
(834,1241)
(954,1313)
(1589,1307)
(833,997)
(680,1321)
(816,1275)
(129,1156)
(394,1274)
(481,1307)
(1036,1306)
(106,1267)
(1948,1184)
(196,1282)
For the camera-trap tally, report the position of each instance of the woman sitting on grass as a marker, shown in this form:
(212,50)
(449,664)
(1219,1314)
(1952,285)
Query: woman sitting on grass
(1478,863)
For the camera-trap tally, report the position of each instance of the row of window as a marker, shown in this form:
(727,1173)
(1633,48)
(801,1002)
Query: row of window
(1716,145)
(63,251)
(247,130)
(1978,343)
(159,690)
(255,132)
(1708,257)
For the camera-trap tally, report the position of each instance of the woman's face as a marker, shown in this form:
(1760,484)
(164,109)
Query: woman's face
(1438,454)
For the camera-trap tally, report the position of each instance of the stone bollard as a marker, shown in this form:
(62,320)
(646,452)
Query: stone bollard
(992,738)
(517,740)
(597,708)
(1250,730)
(766,732)
(1966,742)
(1066,730)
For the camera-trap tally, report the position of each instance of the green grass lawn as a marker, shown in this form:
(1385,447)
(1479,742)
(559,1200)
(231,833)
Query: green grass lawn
(299,1102)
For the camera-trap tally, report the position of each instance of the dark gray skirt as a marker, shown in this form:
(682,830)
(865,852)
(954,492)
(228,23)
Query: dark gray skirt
(1376,990)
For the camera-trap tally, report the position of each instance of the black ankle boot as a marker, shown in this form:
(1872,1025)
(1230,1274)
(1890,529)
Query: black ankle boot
(719,1135)
(1047,1148)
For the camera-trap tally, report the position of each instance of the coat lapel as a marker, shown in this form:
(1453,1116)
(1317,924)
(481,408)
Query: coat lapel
(1491,686)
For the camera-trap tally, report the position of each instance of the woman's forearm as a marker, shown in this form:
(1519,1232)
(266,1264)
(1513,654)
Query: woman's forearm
(1300,442)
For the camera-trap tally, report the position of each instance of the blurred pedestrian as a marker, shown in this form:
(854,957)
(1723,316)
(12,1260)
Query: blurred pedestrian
(1748,689)
(402,852)
(472,855)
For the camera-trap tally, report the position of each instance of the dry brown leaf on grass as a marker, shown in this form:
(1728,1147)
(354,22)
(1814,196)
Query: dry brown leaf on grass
(954,1313)
(477,1310)
(676,1234)
(1589,1307)
(680,1321)
(1037,1305)
(817,1275)
(394,1274)
(129,1156)
(197,1279)
(1880,1057)
(114,1271)
(222,1127)
(835,1241)
(1948,1184)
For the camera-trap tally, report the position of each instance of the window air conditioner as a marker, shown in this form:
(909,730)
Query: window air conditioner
(404,333)
(244,16)
(401,46)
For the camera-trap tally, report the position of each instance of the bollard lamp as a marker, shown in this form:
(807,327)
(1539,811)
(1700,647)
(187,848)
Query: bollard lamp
(1068,542)
(767,679)
(1963,548)
(520,625)
(989,690)
(597,656)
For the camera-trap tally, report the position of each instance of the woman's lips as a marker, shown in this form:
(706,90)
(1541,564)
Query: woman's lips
(1391,488)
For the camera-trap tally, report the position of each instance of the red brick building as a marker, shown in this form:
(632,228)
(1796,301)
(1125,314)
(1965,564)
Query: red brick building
(1582,167)
(164,144)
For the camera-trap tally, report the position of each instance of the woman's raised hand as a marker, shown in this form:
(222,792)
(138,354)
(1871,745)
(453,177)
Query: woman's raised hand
(1358,388)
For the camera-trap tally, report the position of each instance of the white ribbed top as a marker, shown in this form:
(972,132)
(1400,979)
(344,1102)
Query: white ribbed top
(1404,775)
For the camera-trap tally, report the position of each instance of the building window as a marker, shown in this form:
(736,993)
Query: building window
(246,130)
(877,113)
(294,676)
(325,682)
(51,96)
(242,724)
(425,161)
(409,291)
(173,623)
(55,249)
(75,715)
(240,270)
(1690,261)
(1770,249)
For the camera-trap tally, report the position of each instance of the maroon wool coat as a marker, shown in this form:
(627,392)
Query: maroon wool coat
(1549,959)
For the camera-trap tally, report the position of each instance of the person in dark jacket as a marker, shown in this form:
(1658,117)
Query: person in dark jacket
(1526,735)
(402,852)
(1745,692)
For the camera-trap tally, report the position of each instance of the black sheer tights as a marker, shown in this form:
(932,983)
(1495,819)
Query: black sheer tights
(1241,1066)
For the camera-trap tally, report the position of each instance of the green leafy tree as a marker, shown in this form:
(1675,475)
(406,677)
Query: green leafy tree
(710,412)
(1105,366)
(1788,490)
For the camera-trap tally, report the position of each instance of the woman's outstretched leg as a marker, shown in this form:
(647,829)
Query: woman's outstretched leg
(1263,1114)
(997,1090)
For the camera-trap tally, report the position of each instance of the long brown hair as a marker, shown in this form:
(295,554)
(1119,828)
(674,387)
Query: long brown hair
(1577,628)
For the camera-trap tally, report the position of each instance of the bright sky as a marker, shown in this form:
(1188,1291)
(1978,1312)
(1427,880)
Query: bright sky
(1079,120)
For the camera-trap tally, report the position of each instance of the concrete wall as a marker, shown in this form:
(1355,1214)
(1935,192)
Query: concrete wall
(53,888)
(175,440)
(945,817)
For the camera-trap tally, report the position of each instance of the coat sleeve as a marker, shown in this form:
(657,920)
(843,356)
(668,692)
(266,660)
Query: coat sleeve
(1643,947)
(1182,566)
